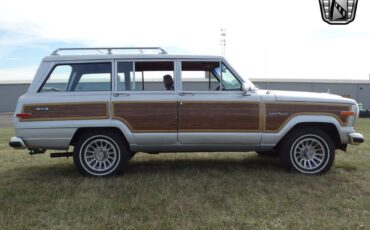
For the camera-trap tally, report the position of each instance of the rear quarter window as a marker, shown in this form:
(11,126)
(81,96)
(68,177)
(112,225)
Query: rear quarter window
(79,78)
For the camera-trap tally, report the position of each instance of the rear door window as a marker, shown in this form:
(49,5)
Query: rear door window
(146,76)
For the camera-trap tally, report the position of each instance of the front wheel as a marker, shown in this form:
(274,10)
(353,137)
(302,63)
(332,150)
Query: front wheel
(309,151)
(102,153)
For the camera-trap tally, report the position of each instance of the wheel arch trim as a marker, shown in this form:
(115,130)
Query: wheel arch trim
(272,138)
(127,134)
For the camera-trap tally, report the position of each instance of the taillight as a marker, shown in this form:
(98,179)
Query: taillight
(23,115)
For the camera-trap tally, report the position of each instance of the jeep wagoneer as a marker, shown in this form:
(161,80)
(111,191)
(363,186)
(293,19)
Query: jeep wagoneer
(106,104)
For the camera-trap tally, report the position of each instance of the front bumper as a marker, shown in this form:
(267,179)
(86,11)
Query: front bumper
(17,143)
(356,138)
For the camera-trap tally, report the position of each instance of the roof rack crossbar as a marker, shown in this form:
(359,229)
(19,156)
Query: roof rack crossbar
(109,49)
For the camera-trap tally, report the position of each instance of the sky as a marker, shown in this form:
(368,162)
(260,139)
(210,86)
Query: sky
(265,38)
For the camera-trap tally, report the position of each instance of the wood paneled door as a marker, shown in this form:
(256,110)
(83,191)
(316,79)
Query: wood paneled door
(213,109)
(143,101)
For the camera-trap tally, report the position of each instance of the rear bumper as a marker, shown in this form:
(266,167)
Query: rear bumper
(356,138)
(17,143)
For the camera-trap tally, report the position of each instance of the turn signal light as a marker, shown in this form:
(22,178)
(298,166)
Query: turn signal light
(23,115)
(347,113)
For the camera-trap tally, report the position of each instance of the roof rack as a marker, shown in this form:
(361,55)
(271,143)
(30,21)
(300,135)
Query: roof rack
(108,50)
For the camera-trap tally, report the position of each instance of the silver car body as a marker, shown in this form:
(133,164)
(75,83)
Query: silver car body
(58,134)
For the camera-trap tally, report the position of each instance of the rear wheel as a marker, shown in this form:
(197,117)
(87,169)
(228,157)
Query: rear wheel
(102,153)
(309,151)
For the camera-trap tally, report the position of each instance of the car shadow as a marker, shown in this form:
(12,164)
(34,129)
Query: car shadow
(150,166)
(165,165)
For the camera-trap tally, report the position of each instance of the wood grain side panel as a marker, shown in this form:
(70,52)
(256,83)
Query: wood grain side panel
(66,111)
(219,117)
(279,114)
(147,116)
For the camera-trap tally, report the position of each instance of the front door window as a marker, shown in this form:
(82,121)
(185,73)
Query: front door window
(208,76)
(200,76)
(228,79)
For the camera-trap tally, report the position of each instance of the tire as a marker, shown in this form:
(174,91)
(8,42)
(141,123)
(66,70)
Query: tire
(101,153)
(271,153)
(309,151)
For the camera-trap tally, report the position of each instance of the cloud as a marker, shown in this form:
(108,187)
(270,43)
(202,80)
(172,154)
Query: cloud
(266,38)
(18,74)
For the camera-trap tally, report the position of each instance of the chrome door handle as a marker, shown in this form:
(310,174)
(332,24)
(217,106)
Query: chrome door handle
(184,94)
(120,94)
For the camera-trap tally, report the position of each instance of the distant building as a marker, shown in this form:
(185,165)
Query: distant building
(356,89)
(9,94)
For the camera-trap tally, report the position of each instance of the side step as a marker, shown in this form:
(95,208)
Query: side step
(65,154)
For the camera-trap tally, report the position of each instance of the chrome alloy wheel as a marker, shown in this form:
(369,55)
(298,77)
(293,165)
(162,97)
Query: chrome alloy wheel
(309,154)
(100,155)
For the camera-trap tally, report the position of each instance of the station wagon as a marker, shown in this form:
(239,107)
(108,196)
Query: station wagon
(103,105)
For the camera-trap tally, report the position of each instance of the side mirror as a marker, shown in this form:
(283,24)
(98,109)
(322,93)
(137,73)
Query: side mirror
(246,88)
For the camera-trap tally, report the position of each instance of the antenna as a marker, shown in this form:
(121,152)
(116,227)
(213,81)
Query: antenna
(223,41)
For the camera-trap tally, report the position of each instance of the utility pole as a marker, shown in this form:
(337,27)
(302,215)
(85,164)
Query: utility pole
(223,41)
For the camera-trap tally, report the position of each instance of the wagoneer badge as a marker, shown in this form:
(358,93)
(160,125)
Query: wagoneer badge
(42,109)
(338,12)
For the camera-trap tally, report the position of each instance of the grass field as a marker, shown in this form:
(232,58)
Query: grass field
(184,191)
